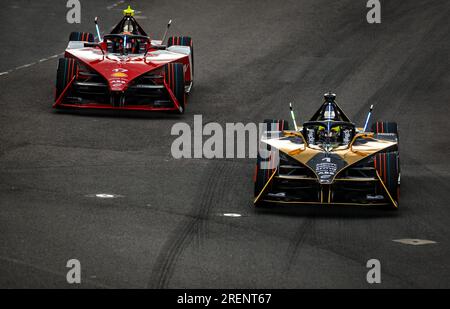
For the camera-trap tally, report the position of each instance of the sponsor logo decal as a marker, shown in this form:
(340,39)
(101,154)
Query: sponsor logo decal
(119,74)
(121,70)
(326,170)
(347,136)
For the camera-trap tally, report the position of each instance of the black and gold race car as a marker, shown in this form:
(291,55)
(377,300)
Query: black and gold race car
(328,161)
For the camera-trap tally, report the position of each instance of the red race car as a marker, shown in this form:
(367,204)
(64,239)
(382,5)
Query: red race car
(125,70)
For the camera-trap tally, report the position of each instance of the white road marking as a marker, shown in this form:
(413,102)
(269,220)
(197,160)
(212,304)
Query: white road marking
(233,215)
(25,66)
(104,195)
(30,64)
(414,242)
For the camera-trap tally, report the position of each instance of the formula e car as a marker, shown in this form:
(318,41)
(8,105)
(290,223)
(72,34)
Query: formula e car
(328,161)
(125,70)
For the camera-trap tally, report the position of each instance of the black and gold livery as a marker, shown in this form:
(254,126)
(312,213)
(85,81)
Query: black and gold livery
(328,160)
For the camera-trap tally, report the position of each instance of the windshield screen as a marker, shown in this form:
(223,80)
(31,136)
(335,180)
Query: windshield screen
(127,44)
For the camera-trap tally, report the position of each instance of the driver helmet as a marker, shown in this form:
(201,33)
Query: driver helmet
(332,134)
(128,28)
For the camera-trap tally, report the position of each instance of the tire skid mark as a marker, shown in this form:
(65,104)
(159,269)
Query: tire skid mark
(223,183)
(189,229)
(297,242)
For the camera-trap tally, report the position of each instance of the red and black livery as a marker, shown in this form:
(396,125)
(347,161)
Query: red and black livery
(126,70)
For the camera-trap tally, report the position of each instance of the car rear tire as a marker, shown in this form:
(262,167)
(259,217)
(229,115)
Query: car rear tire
(67,69)
(385,127)
(81,36)
(388,167)
(262,175)
(183,41)
(174,77)
(275,125)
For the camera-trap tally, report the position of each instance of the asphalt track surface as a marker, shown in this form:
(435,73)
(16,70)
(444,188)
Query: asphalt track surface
(167,229)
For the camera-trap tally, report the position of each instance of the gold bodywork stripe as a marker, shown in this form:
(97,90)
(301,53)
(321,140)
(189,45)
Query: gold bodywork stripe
(264,188)
(387,191)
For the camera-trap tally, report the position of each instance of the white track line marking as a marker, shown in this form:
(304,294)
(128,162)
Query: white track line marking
(414,242)
(25,66)
(233,215)
(104,195)
(30,64)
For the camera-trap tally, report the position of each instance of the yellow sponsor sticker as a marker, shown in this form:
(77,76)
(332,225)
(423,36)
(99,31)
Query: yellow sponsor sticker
(119,74)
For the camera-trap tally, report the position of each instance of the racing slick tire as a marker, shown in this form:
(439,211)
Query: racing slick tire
(387,165)
(275,125)
(261,176)
(81,36)
(183,41)
(67,69)
(385,127)
(174,77)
